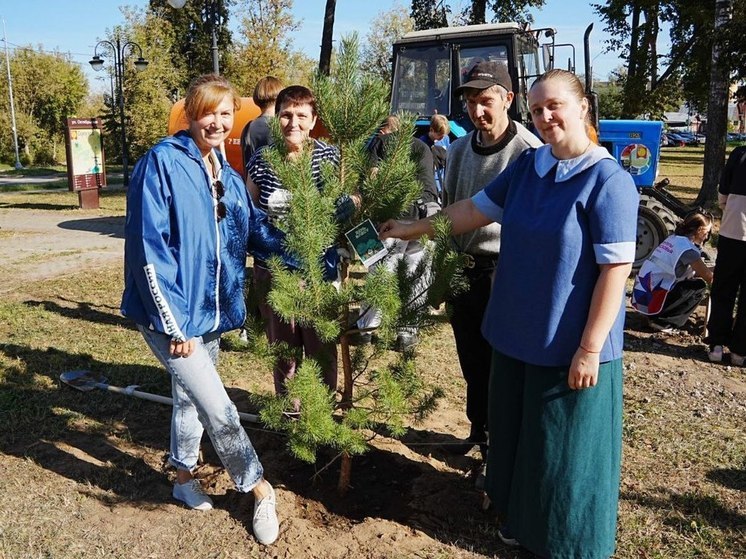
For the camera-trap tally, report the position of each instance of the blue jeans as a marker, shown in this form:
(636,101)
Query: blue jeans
(201,403)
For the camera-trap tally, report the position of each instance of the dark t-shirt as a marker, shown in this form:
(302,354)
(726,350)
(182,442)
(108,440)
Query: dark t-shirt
(255,134)
(423,156)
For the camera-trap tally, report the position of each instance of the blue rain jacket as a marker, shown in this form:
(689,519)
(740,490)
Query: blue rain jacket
(184,269)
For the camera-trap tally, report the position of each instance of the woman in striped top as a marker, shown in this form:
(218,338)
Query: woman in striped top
(296,110)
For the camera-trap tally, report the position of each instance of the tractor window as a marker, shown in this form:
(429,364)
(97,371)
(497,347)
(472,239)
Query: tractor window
(469,57)
(527,73)
(421,80)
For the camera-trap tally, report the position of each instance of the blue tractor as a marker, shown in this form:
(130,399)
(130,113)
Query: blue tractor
(429,65)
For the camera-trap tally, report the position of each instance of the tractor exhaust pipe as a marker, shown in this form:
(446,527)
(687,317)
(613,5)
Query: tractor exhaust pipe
(592,96)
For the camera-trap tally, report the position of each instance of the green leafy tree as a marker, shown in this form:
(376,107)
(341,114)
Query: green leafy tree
(48,88)
(717,111)
(385,29)
(373,397)
(148,95)
(701,62)
(610,97)
(515,10)
(430,14)
(263,46)
(192,25)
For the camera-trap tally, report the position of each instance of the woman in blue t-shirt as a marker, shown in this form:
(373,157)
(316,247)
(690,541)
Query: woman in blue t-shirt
(554,320)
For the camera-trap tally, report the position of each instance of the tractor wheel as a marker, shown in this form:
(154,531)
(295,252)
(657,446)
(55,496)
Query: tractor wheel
(655,222)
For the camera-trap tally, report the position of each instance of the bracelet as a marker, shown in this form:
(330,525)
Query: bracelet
(588,350)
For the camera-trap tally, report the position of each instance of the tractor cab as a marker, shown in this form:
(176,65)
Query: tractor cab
(429,65)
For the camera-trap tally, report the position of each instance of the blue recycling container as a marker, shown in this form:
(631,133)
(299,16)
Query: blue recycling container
(635,144)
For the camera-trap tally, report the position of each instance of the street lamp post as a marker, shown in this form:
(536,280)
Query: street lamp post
(12,104)
(213,17)
(119,51)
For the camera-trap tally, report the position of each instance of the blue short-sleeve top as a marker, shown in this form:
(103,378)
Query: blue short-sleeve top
(560,219)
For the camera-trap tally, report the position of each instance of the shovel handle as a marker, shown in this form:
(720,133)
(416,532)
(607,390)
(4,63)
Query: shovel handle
(250,417)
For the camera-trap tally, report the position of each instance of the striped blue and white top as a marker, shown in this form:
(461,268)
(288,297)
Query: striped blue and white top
(265,179)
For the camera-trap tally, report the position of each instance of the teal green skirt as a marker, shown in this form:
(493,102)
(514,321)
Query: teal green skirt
(554,460)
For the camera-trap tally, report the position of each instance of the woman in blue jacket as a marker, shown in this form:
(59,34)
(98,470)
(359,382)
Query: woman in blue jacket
(188,223)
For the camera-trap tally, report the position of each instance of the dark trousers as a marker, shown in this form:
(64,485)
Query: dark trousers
(474,353)
(681,302)
(295,336)
(729,283)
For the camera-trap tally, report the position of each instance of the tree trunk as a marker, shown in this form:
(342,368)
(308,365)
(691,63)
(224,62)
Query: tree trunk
(344,347)
(651,36)
(478,11)
(631,88)
(345,474)
(634,41)
(325,59)
(345,468)
(717,114)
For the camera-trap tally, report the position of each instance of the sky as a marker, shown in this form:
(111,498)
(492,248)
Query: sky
(74,26)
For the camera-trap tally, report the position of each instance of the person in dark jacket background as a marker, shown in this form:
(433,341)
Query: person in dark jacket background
(730,266)
(256,133)
(188,223)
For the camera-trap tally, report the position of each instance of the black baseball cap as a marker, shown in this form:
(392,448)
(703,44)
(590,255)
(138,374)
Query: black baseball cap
(486,74)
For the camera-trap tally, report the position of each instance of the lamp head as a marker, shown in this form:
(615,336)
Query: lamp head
(97,63)
(141,64)
(178,4)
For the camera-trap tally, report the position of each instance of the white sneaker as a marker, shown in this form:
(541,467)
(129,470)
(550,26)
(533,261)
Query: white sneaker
(715,354)
(737,360)
(265,524)
(192,495)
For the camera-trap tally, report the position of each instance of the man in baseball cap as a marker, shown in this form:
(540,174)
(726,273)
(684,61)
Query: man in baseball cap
(486,74)
(472,162)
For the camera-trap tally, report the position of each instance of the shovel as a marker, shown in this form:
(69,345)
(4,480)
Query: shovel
(85,381)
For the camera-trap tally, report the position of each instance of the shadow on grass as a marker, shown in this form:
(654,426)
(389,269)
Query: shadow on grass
(118,446)
(683,508)
(39,206)
(34,172)
(109,226)
(729,477)
(693,159)
(70,432)
(658,344)
(84,311)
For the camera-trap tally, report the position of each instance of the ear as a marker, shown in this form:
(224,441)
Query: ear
(313,123)
(509,96)
(584,108)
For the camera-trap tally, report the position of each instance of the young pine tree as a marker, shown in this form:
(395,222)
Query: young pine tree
(374,398)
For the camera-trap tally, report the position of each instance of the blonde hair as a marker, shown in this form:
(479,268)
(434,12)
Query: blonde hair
(265,91)
(205,93)
(440,125)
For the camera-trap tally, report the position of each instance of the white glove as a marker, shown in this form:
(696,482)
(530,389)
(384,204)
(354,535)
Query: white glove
(278,203)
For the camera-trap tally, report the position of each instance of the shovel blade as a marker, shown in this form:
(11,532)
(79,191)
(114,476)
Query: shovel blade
(82,380)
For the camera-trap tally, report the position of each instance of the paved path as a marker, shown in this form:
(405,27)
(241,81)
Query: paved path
(37,244)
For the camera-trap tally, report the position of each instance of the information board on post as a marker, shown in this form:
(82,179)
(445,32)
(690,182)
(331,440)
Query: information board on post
(86,171)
